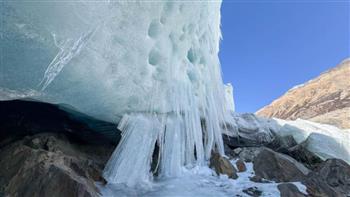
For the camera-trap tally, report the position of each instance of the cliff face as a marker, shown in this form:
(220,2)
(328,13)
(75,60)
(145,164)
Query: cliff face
(325,99)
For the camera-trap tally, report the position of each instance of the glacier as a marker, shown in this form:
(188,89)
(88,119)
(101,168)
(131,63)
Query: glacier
(152,66)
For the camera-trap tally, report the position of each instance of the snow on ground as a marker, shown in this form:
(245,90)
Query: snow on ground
(201,182)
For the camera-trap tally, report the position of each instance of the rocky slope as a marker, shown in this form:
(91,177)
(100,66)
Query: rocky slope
(325,99)
(52,150)
(51,164)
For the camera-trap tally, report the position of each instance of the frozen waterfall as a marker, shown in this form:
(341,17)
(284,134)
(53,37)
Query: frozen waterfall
(151,65)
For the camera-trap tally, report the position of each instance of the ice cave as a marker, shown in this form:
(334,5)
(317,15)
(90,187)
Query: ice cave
(151,67)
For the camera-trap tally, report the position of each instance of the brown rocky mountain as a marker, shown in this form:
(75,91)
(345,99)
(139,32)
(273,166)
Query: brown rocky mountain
(325,99)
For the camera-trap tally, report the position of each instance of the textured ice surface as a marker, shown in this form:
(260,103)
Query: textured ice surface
(109,58)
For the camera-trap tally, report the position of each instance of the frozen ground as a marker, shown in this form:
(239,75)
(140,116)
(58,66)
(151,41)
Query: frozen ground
(200,181)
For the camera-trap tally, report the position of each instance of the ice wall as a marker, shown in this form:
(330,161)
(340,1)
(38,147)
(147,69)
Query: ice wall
(152,64)
(107,59)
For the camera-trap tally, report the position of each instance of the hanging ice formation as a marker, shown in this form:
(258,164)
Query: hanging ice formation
(188,106)
(152,65)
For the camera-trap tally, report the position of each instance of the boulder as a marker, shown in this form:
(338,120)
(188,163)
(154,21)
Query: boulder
(222,165)
(303,155)
(229,151)
(282,143)
(241,165)
(236,151)
(258,139)
(247,154)
(258,179)
(289,190)
(247,130)
(331,178)
(278,167)
(50,164)
(253,191)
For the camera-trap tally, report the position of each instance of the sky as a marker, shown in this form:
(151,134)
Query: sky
(270,46)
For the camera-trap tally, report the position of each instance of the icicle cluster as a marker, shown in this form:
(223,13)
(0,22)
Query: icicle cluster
(185,137)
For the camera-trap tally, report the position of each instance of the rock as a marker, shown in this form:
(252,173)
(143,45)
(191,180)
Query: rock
(35,143)
(288,145)
(50,144)
(229,152)
(49,181)
(289,190)
(222,165)
(331,178)
(278,167)
(258,179)
(303,155)
(237,151)
(248,154)
(241,165)
(248,130)
(282,143)
(49,164)
(247,138)
(253,191)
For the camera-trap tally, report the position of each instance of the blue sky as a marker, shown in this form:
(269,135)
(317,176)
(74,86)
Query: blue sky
(270,46)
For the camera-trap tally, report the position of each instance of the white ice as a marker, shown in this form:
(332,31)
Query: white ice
(229,97)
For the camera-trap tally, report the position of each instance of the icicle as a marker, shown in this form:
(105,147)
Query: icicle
(173,147)
(130,162)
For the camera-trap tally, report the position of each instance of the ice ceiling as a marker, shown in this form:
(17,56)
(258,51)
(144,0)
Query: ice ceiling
(108,58)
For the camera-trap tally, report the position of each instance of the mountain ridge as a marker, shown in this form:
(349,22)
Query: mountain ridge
(324,99)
